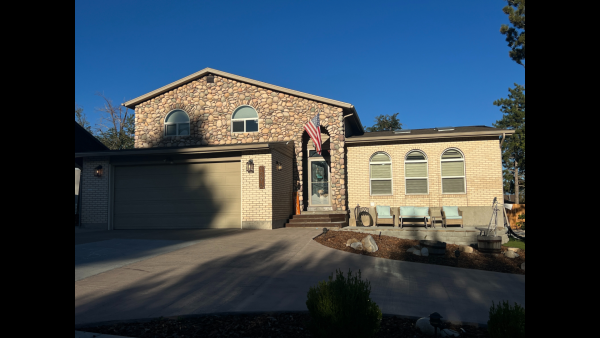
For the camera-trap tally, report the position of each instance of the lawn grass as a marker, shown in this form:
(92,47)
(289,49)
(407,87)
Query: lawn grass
(515,243)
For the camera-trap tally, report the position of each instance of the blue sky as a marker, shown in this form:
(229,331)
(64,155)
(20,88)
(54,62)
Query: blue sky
(436,63)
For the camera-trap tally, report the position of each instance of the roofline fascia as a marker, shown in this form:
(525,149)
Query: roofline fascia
(132,103)
(198,150)
(363,139)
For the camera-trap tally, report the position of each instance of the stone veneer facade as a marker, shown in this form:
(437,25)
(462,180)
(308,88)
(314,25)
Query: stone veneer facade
(281,117)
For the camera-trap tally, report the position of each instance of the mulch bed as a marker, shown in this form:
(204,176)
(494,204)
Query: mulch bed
(395,248)
(256,325)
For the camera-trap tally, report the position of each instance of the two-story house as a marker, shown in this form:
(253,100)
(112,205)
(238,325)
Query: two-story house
(217,150)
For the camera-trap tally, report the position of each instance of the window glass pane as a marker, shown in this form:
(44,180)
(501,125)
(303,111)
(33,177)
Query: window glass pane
(415,156)
(320,193)
(184,129)
(381,171)
(451,154)
(251,126)
(381,187)
(171,129)
(177,116)
(416,169)
(453,168)
(416,186)
(244,113)
(381,158)
(238,126)
(453,185)
(319,171)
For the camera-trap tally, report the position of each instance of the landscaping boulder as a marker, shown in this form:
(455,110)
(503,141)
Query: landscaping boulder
(425,252)
(417,252)
(425,327)
(513,249)
(511,254)
(369,244)
(351,240)
(413,249)
(523,266)
(465,249)
(356,246)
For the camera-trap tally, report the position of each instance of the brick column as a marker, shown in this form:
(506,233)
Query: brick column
(94,194)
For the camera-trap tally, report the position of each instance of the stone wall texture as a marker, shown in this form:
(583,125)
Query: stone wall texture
(483,170)
(281,117)
(94,193)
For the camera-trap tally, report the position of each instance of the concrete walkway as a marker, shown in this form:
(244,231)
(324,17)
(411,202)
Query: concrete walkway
(257,270)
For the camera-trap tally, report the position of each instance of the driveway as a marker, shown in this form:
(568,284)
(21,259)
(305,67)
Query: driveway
(170,273)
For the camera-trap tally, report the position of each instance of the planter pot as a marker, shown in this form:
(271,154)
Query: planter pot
(489,244)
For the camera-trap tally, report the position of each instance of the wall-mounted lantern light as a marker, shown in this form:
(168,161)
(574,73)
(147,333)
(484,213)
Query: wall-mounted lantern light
(278,166)
(250,167)
(210,78)
(98,171)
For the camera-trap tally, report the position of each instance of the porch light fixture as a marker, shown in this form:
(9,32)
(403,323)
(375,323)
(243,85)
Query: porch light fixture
(210,78)
(250,167)
(435,319)
(278,165)
(98,171)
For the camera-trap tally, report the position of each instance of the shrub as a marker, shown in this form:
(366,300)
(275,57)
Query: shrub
(342,307)
(506,321)
(521,224)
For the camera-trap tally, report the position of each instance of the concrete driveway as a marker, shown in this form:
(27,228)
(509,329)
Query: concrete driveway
(171,273)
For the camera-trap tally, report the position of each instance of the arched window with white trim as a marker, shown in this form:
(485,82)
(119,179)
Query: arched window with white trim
(381,174)
(453,172)
(244,120)
(177,123)
(416,173)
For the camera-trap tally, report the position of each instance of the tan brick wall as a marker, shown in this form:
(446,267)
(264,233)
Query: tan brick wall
(94,194)
(482,164)
(257,204)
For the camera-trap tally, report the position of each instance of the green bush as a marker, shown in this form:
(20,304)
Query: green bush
(521,224)
(342,307)
(506,321)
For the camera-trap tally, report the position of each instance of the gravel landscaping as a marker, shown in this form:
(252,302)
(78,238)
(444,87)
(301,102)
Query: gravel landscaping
(256,325)
(395,248)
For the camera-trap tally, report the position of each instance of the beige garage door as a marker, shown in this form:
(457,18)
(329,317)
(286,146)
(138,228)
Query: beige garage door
(179,196)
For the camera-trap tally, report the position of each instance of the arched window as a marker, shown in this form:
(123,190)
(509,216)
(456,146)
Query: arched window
(416,173)
(453,172)
(381,174)
(244,120)
(177,123)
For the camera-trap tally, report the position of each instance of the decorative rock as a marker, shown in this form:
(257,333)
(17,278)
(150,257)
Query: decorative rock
(351,240)
(425,327)
(425,252)
(511,254)
(513,249)
(369,244)
(417,252)
(465,249)
(523,266)
(411,250)
(356,246)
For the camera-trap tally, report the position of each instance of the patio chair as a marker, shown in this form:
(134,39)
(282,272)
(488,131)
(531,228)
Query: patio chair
(411,212)
(385,215)
(452,216)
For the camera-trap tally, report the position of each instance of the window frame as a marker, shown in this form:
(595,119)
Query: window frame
(464,177)
(244,120)
(426,161)
(391,179)
(176,124)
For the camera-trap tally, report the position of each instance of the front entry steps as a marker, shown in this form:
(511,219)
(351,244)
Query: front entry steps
(318,221)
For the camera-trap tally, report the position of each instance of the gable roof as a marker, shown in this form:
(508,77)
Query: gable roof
(84,141)
(348,108)
(429,134)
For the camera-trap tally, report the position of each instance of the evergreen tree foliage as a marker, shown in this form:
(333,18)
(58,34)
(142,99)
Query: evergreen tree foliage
(515,35)
(513,148)
(385,122)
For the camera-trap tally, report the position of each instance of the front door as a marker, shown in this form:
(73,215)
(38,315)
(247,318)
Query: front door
(319,183)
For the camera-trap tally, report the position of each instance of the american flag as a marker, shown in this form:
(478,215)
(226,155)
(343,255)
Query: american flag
(313,128)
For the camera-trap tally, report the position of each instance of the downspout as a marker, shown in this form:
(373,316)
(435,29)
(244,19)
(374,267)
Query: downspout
(79,198)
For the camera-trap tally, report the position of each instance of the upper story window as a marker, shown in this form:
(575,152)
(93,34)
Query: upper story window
(177,123)
(381,174)
(244,120)
(416,173)
(453,172)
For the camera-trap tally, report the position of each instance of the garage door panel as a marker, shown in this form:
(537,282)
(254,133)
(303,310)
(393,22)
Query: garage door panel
(200,195)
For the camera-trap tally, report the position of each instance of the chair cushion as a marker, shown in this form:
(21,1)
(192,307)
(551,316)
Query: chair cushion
(385,217)
(383,211)
(453,217)
(407,211)
(421,211)
(451,211)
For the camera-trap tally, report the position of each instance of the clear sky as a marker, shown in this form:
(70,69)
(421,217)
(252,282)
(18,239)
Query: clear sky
(437,63)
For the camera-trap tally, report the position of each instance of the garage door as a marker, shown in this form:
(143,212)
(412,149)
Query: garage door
(179,196)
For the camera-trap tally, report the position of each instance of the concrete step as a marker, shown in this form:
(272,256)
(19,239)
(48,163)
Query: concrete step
(317,225)
(310,220)
(332,216)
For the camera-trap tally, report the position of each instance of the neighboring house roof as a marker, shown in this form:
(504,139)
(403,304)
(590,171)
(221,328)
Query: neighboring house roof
(349,108)
(86,142)
(428,134)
